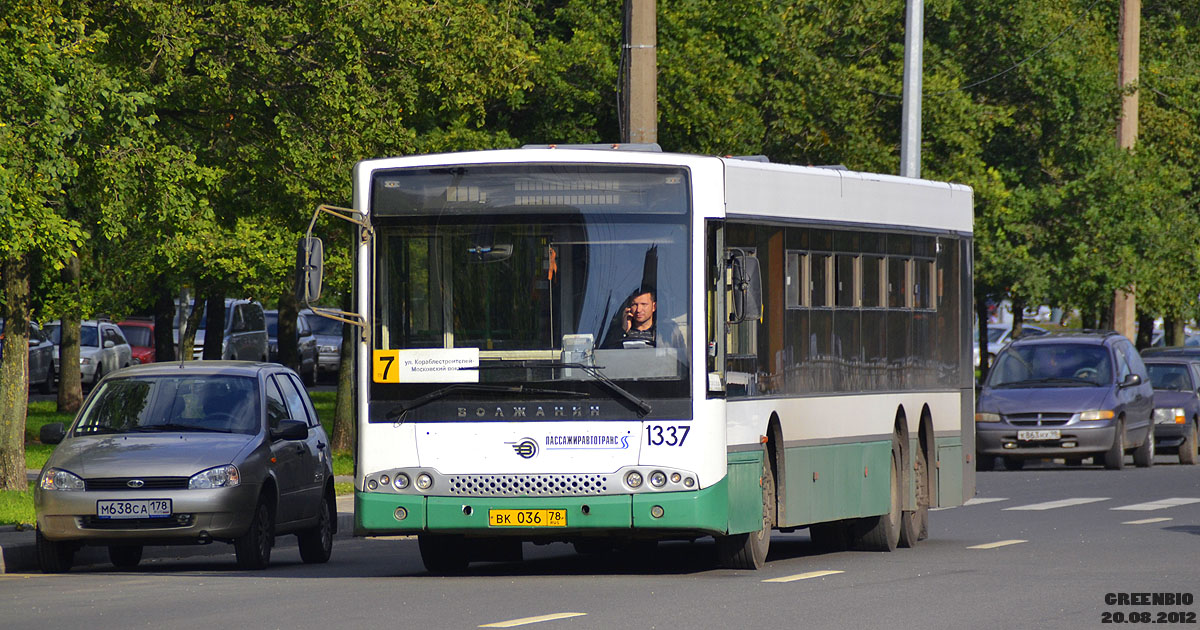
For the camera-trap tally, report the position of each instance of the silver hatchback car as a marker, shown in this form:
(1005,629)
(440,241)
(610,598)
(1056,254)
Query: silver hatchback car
(188,453)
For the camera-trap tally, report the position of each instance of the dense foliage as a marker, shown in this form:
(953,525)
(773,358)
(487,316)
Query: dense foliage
(168,144)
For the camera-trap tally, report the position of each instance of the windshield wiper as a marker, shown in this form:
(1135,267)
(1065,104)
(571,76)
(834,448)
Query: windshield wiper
(403,408)
(177,427)
(1048,381)
(594,371)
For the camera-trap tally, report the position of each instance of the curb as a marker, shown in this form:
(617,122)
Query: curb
(18,549)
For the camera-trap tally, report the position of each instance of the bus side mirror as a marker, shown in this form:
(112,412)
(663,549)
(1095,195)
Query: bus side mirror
(310,259)
(747,287)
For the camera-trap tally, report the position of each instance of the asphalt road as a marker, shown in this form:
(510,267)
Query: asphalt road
(1038,548)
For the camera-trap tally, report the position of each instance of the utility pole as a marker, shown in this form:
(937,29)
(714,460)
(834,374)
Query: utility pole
(640,90)
(910,126)
(1124,302)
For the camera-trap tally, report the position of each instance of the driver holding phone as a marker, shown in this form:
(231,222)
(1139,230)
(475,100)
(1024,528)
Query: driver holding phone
(638,321)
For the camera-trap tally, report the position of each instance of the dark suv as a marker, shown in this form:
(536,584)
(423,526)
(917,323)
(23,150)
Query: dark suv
(1070,395)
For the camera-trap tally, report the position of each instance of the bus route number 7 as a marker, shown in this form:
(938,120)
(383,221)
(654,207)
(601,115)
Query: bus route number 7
(384,366)
(666,435)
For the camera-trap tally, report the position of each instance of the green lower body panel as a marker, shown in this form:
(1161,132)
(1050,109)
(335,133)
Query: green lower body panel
(829,483)
(701,512)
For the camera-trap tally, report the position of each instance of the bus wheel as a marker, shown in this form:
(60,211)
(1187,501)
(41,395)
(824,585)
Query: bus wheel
(749,550)
(832,536)
(915,523)
(882,533)
(443,554)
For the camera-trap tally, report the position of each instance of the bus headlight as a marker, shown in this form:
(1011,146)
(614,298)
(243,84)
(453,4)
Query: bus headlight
(658,479)
(401,481)
(633,479)
(424,481)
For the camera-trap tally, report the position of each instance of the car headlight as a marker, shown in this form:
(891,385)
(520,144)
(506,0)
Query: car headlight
(220,477)
(58,479)
(327,349)
(1169,415)
(987,416)
(85,361)
(1097,414)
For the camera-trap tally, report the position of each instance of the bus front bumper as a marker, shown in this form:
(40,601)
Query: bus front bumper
(701,512)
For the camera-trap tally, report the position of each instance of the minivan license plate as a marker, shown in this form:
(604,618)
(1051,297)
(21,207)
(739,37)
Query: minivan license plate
(1045,434)
(136,508)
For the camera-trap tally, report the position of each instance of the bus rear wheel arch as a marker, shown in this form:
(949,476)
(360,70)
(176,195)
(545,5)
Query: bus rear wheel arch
(749,550)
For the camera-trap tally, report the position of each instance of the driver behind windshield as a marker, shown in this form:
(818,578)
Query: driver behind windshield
(639,324)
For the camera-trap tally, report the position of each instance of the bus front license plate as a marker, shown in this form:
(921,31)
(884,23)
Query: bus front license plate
(527,518)
(1031,436)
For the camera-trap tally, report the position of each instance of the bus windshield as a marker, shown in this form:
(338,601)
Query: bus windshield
(538,265)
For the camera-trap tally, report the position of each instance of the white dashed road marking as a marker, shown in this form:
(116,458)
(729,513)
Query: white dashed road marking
(999,543)
(972,501)
(1157,505)
(1050,505)
(513,623)
(1147,521)
(803,576)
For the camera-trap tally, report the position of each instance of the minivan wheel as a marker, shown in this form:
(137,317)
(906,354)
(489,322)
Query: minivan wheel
(1114,459)
(1187,450)
(1143,456)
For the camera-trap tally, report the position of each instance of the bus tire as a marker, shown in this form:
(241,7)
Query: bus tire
(832,536)
(443,554)
(749,550)
(915,523)
(882,533)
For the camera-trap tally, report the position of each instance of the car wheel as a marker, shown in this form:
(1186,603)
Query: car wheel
(316,544)
(442,554)
(1143,455)
(53,556)
(1187,450)
(125,556)
(749,550)
(253,548)
(310,377)
(1114,459)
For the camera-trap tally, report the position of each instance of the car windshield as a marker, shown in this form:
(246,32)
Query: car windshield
(138,335)
(324,325)
(1171,376)
(1052,365)
(88,336)
(191,403)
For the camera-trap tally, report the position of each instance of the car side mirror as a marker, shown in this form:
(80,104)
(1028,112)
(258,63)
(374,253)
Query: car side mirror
(108,343)
(290,430)
(1131,380)
(52,433)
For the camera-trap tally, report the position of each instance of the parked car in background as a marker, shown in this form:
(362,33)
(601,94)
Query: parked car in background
(328,333)
(42,371)
(999,335)
(245,335)
(1176,382)
(1070,395)
(102,349)
(140,335)
(305,341)
(187,453)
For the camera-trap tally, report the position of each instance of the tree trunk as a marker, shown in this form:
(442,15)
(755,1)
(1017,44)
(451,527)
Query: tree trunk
(187,341)
(1174,334)
(14,372)
(343,415)
(1145,330)
(70,389)
(214,327)
(286,331)
(981,313)
(164,322)
(1018,323)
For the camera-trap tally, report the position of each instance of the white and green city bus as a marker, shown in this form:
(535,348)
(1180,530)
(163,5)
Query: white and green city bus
(807,362)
